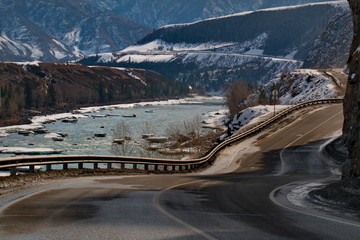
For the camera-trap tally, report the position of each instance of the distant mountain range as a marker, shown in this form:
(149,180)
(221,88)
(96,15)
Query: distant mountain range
(253,46)
(54,30)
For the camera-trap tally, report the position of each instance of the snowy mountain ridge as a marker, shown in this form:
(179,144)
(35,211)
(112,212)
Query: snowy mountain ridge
(159,12)
(336,3)
(253,46)
(51,30)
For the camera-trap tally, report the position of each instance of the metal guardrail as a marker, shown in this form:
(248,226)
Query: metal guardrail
(152,164)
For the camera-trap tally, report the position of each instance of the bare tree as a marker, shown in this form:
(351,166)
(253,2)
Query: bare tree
(120,145)
(236,96)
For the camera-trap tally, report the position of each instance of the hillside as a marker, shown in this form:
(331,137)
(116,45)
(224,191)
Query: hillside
(302,85)
(254,46)
(157,13)
(331,49)
(54,87)
(283,30)
(51,30)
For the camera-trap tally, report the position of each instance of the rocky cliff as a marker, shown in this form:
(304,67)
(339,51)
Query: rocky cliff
(351,129)
(331,48)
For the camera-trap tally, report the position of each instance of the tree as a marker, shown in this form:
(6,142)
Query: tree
(122,131)
(28,94)
(236,96)
(101,91)
(51,96)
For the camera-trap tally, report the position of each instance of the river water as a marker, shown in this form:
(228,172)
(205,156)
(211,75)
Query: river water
(81,135)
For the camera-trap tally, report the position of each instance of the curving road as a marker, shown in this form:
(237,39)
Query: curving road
(238,205)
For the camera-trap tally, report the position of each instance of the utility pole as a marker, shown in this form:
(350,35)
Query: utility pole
(274,96)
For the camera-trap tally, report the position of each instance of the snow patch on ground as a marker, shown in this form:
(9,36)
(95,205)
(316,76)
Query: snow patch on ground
(158,45)
(54,117)
(216,119)
(139,58)
(255,51)
(298,194)
(22,150)
(248,116)
(299,86)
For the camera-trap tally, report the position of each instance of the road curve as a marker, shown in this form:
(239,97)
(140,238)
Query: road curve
(218,206)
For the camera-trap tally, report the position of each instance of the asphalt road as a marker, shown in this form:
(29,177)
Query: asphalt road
(239,205)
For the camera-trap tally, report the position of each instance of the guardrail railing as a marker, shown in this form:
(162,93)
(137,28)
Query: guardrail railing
(149,164)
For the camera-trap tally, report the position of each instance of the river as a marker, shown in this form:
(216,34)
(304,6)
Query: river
(81,138)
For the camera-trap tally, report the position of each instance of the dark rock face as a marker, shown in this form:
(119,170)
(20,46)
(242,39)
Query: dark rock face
(332,48)
(351,129)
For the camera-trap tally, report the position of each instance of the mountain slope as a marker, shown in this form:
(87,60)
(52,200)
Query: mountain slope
(253,46)
(157,13)
(284,29)
(331,49)
(64,86)
(51,30)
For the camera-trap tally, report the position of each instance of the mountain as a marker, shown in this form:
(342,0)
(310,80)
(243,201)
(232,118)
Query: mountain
(157,13)
(331,49)
(65,86)
(51,30)
(253,46)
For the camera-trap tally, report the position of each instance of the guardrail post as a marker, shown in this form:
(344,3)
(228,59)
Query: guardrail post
(80,165)
(96,165)
(122,165)
(156,167)
(48,167)
(109,165)
(65,166)
(146,167)
(134,165)
(13,171)
(165,167)
(31,168)
(173,168)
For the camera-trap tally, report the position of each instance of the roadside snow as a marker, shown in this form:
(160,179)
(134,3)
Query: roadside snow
(299,86)
(216,119)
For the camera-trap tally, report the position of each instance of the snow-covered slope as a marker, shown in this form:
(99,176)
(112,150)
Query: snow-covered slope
(293,88)
(254,46)
(51,30)
(277,31)
(299,86)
